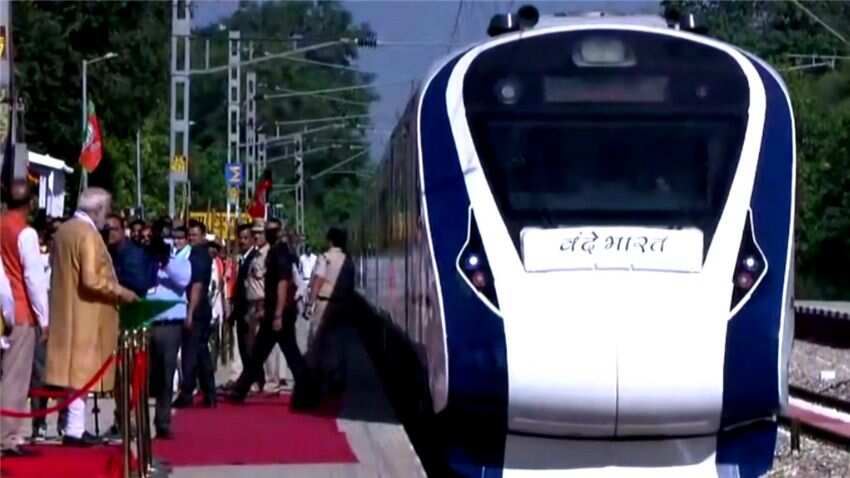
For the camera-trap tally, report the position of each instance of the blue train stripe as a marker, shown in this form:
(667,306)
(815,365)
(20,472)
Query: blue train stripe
(475,337)
(751,388)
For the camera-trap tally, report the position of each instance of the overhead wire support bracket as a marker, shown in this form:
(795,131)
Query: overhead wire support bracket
(273,56)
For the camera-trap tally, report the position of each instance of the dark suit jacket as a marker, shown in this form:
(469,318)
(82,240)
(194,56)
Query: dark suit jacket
(239,302)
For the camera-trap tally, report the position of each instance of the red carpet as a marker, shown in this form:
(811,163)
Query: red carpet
(56,460)
(262,431)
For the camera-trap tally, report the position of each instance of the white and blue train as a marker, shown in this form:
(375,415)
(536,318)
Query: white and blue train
(584,226)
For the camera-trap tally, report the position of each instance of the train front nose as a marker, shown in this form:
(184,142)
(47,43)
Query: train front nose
(646,363)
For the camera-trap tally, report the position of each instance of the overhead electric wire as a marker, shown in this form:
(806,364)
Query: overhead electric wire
(821,22)
(324,64)
(321,120)
(330,98)
(318,149)
(275,56)
(339,164)
(456,26)
(296,93)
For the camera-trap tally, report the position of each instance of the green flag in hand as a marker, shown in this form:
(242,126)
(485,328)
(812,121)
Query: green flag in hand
(137,314)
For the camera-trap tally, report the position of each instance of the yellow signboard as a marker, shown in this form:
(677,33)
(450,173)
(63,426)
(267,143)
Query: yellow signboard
(179,168)
(178,164)
(218,224)
(233,195)
(2,42)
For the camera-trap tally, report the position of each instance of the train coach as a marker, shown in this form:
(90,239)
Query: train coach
(584,228)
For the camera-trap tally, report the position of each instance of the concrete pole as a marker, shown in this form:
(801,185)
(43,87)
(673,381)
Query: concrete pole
(139,173)
(85,177)
(7,102)
(234,74)
(181,30)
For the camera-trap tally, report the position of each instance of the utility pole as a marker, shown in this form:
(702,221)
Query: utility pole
(178,149)
(233,108)
(261,152)
(250,132)
(139,212)
(7,102)
(261,163)
(299,185)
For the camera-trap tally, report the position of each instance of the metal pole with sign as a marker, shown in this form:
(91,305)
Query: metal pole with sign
(233,178)
(233,108)
(6,100)
(181,27)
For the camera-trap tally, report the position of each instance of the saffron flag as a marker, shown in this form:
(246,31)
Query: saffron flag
(257,209)
(92,151)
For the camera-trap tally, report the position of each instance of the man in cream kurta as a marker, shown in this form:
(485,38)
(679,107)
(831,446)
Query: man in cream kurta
(84,297)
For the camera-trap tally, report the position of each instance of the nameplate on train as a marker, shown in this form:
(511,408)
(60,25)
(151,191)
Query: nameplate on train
(628,248)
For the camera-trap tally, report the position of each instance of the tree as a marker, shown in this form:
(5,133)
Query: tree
(266,27)
(52,39)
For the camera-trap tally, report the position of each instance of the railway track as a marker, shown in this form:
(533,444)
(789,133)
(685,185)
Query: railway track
(818,415)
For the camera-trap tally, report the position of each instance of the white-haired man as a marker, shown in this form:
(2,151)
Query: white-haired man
(84,291)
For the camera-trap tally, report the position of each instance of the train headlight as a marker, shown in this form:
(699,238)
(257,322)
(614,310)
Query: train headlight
(744,280)
(473,266)
(508,91)
(479,280)
(750,266)
(603,51)
(472,261)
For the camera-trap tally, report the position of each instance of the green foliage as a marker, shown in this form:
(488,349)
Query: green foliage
(768,28)
(131,92)
(266,27)
(51,40)
(823,232)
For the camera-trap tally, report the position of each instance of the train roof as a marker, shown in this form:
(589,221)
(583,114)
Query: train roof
(591,18)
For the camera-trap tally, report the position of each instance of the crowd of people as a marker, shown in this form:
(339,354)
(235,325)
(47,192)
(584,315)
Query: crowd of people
(62,280)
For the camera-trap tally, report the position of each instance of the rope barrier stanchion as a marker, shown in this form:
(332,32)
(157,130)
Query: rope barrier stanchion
(141,452)
(136,319)
(146,338)
(126,437)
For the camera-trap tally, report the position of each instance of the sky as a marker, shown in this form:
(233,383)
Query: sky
(437,26)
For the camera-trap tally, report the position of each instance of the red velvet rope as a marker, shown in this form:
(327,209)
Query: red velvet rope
(79,393)
(140,371)
(48,393)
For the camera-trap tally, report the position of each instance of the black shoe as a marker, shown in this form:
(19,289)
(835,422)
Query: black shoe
(84,441)
(305,396)
(336,388)
(235,397)
(113,434)
(210,403)
(164,434)
(39,434)
(182,402)
(16,452)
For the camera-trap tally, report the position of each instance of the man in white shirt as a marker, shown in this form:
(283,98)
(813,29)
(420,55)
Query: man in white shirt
(307,262)
(24,268)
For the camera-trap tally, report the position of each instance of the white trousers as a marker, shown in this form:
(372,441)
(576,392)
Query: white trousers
(76,425)
(236,363)
(276,368)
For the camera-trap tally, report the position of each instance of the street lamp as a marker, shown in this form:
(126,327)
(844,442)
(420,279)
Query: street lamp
(86,63)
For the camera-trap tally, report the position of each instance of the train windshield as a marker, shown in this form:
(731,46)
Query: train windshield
(635,129)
